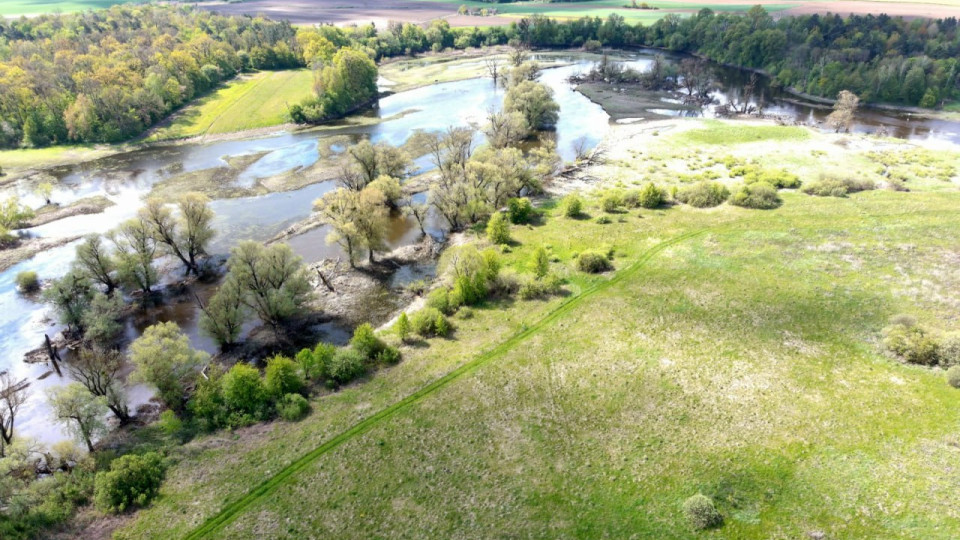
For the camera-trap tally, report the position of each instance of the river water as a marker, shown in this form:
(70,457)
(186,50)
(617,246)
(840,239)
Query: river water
(126,178)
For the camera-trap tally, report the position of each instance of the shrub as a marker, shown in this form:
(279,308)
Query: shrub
(28,282)
(283,377)
(777,178)
(389,356)
(366,342)
(911,343)
(760,196)
(424,322)
(651,196)
(701,513)
(170,423)
(953,376)
(441,326)
(703,194)
(603,220)
(520,210)
(313,364)
(572,206)
(611,202)
(950,350)
(402,327)
(440,299)
(539,288)
(540,263)
(498,229)
(346,365)
(593,262)
(828,186)
(243,390)
(131,481)
(293,407)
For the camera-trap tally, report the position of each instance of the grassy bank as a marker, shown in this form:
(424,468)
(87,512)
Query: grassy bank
(249,102)
(733,353)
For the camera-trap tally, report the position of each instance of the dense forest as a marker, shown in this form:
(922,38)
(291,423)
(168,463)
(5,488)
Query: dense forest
(104,76)
(880,58)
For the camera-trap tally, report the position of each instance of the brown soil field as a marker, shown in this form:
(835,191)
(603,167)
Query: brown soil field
(344,12)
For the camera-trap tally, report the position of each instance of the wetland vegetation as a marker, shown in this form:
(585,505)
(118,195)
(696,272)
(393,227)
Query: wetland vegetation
(659,296)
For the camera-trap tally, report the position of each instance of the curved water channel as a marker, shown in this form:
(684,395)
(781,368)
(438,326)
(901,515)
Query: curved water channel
(126,178)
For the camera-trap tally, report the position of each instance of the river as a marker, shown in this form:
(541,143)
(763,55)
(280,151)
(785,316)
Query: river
(127,178)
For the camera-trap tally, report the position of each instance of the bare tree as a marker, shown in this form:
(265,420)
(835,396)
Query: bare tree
(13,394)
(581,147)
(519,54)
(493,68)
(99,372)
(418,212)
(843,111)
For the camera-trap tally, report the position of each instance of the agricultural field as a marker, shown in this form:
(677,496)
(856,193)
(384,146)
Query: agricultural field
(249,102)
(731,352)
(36,7)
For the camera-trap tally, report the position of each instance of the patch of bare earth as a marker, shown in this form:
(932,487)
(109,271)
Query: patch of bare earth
(341,12)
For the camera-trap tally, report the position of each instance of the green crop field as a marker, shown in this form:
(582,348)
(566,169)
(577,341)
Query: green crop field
(732,352)
(250,102)
(34,7)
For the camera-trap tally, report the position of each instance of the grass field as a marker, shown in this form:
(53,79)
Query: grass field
(733,353)
(250,102)
(34,7)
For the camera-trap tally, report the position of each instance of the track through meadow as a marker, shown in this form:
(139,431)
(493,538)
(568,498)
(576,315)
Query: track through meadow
(232,510)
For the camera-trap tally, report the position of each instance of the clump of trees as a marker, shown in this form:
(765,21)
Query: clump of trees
(269,282)
(13,215)
(346,84)
(106,75)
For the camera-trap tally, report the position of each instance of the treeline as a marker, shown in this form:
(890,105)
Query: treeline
(106,75)
(880,58)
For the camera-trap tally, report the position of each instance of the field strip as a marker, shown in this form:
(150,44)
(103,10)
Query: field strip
(229,512)
(230,103)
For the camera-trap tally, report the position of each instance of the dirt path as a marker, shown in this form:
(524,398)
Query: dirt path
(232,510)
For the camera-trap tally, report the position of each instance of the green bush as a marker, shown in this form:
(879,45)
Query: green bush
(440,299)
(593,262)
(950,350)
(313,364)
(828,186)
(424,322)
(760,196)
(777,178)
(498,229)
(293,407)
(366,342)
(611,202)
(911,343)
(703,194)
(701,513)
(572,206)
(953,376)
(131,481)
(651,196)
(346,365)
(243,391)
(539,288)
(28,282)
(520,210)
(388,356)
(402,327)
(283,377)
